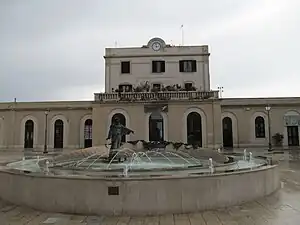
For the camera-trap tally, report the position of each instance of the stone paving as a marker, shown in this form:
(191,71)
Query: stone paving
(281,208)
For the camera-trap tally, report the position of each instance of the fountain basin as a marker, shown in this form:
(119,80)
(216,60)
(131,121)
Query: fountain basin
(136,196)
(147,183)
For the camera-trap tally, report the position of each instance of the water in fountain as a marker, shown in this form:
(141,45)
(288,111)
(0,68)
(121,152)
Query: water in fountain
(245,154)
(250,156)
(141,160)
(47,167)
(211,165)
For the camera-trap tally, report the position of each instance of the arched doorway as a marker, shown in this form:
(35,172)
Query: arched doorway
(88,140)
(122,121)
(194,129)
(227,132)
(58,134)
(28,135)
(156,127)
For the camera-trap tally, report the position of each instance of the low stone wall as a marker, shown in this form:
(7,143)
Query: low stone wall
(147,196)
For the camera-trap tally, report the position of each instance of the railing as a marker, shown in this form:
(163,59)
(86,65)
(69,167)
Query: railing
(156,96)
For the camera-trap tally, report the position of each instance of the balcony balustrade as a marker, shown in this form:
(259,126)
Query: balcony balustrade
(156,96)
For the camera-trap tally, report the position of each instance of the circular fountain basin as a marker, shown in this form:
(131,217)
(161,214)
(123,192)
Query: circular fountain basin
(149,187)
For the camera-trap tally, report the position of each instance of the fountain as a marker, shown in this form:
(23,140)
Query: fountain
(149,181)
(161,179)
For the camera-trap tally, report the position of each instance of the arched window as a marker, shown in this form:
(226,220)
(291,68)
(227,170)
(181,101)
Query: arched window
(88,137)
(58,134)
(28,137)
(260,131)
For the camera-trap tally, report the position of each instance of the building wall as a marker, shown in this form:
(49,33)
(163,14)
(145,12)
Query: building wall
(14,116)
(141,66)
(174,121)
(243,112)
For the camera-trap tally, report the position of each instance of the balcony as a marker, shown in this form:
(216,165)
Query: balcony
(156,96)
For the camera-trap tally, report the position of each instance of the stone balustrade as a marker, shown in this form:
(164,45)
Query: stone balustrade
(156,96)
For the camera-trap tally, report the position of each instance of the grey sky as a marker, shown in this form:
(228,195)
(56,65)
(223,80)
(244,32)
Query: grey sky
(52,49)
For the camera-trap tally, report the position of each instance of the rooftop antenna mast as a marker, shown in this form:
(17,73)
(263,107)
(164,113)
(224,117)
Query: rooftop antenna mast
(116,44)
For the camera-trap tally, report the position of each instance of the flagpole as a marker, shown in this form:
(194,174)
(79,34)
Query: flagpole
(182,35)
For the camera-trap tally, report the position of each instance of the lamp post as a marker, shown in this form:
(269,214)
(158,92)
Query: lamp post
(46,131)
(268,109)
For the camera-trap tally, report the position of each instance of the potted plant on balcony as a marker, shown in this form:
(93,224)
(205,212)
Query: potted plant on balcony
(278,139)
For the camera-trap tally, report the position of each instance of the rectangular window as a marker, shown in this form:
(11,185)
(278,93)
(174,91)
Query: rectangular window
(156,87)
(125,88)
(125,67)
(187,66)
(188,86)
(158,66)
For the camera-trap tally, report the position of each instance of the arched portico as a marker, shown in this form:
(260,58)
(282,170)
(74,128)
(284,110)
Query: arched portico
(35,130)
(82,129)
(2,132)
(165,129)
(203,125)
(291,129)
(54,125)
(234,128)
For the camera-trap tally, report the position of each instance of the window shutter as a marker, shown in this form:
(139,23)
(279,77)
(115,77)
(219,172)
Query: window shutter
(181,66)
(154,68)
(163,67)
(194,66)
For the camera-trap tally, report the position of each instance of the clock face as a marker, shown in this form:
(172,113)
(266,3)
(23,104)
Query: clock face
(156,46)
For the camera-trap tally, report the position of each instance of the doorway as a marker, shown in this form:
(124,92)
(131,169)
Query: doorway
(58,134)
(122,121)
(194,129)
(293,135)
(28,136)
(156,127)
(227,132)
(88,139)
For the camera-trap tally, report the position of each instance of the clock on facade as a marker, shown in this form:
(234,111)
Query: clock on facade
(156,46)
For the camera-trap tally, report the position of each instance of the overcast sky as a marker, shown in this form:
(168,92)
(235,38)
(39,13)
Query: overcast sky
(53,49)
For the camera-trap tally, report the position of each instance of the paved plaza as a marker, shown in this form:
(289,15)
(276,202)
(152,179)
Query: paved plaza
(282,207)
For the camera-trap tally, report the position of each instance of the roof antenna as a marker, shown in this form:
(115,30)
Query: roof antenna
(15,100)
(116,44)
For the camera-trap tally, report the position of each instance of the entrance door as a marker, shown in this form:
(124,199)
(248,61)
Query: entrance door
(28,136)
(194,129)
(156,127)
(88,133)
(58,134)
(227,132)
(293,135)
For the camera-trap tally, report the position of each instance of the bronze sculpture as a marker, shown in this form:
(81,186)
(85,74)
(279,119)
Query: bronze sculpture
(116,132)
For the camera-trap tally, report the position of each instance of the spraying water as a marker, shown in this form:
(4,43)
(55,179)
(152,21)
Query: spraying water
(245,155)
(211,165)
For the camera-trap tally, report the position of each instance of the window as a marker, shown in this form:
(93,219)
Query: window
(260,127)
(125,67)
(156,87)
(125,88)
(188,86)
(187,66)
(158,66)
